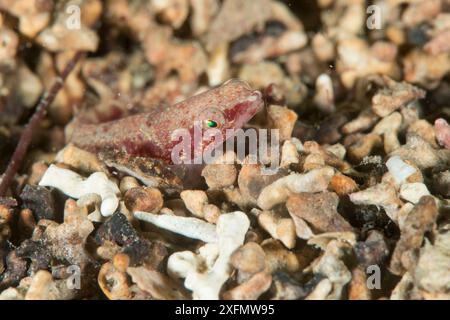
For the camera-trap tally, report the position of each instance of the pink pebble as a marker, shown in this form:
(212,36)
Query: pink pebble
(442,129)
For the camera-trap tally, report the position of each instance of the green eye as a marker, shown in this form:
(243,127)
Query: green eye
(211,123)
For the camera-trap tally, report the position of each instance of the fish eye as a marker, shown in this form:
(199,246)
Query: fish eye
(212,118)
(211,124)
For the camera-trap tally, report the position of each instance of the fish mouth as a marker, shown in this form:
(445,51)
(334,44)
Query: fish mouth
(239,114)
(257,105)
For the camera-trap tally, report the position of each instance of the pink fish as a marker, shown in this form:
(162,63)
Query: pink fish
(229,106)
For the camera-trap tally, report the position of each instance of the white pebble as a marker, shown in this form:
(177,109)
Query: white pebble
(76,186)
(399,169)
(189,227)
(206,283)
(412,192)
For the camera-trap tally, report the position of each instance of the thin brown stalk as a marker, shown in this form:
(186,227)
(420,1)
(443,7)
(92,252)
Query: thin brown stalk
(27,135)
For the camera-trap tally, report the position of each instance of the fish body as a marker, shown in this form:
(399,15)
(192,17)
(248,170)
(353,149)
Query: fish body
(229,106)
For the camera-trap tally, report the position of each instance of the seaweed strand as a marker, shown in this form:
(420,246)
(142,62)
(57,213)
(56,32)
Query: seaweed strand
(25,139)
